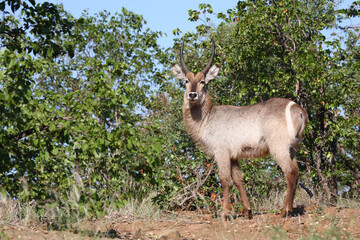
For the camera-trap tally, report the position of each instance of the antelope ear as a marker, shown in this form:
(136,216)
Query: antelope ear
(177,71)
(212,73)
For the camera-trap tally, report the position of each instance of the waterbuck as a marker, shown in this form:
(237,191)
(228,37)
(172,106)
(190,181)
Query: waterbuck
(228,133)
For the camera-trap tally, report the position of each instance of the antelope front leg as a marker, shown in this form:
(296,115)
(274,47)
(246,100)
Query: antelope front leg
(226,198)
(237,177)
(225,178)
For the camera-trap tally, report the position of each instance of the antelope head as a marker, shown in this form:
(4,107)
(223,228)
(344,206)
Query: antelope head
(195,84)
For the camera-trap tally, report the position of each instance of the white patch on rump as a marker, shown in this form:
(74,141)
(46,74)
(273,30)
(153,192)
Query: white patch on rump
(289,123)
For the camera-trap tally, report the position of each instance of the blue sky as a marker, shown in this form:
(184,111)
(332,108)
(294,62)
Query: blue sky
(161,15)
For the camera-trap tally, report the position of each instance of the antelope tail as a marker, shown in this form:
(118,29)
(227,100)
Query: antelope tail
(311,195)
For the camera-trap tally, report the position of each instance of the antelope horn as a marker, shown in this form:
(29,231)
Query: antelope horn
(183,66)
(207,67)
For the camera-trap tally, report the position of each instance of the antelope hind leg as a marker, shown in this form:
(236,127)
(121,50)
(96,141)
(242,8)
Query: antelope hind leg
(292,176)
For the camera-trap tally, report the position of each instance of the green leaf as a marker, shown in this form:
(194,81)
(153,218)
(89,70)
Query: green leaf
(156,147)
(124,99)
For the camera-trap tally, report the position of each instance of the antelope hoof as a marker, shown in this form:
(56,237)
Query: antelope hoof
(285,213)
(248,214)
(226,217)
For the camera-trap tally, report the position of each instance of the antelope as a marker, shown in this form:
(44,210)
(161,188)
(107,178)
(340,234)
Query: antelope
(229,133)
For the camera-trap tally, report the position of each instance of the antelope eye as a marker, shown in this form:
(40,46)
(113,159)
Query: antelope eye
(186,81)
(202,82)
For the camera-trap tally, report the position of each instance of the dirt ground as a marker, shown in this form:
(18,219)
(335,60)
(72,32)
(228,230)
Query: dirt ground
(325,223)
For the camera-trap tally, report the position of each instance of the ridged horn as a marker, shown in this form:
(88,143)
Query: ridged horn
(183,66)
(207,67)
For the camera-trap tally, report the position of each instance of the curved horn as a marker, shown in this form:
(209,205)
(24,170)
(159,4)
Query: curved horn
(183,66)
(207,67)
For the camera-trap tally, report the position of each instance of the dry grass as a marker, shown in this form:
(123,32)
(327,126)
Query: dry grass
(349,202)
(275,201)
(143,209)
(13,212)
(65,211)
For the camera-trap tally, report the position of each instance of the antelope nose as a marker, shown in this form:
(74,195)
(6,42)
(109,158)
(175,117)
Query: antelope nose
(193,96)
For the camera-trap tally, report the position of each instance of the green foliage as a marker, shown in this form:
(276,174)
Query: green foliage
(4,235)
(39,30)
(74,114)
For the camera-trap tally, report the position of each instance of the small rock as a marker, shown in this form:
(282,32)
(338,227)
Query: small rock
(171,235)
(207,217)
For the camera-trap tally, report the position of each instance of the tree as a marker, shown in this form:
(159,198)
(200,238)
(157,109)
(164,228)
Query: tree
(72,106)
(21,43)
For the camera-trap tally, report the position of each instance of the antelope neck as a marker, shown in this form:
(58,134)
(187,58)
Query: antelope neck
(197,116)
